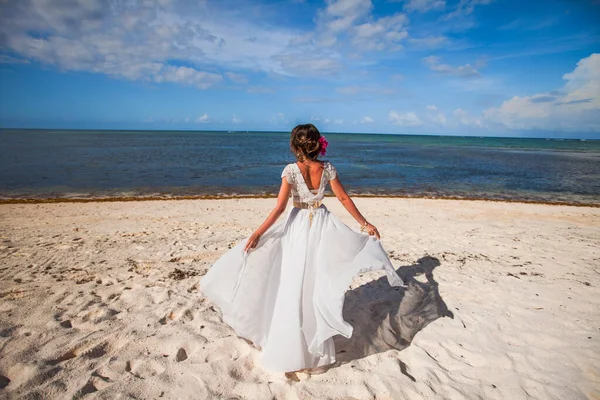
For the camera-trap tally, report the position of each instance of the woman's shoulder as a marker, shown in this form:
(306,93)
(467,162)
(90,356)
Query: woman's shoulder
(327,164)
(330,169)
(288,173)
(289,167)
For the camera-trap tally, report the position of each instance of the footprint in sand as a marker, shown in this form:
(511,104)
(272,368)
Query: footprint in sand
(186,315)
(187,349)
(195,288)
(97,351)
(14,294)
(144,369)
(66,356)
(181,355)
(8,332)
(226,349)
(167,318)
(114,297)
(194,258)
(66,324)
(84,349)
(141,267)
(93,317)
(93,385)
(111,372)
(4,381)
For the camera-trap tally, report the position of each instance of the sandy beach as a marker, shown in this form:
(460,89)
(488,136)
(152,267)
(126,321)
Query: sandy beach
(101,300)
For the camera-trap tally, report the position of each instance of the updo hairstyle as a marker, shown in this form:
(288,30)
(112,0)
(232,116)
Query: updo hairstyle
(305,142)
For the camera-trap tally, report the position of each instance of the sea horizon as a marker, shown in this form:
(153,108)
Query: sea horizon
(324,132)
(65,165)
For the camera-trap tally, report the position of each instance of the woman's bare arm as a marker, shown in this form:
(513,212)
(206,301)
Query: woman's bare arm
(342,196)
(282,200)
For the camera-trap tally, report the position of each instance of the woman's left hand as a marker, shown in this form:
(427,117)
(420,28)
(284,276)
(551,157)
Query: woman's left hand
(372,231)
(252,241)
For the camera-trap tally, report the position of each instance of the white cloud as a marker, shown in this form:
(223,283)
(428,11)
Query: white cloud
(366,120)
(529,24)
(188,76)
(369,30)
(5,59)
(440,118)
(235,119)
(385,33)
(303,65)
(435,115)
(465,118)
(151,40)
(340,15)
(311,99)
(356,90)
(278,118)
(466,70)
(138,40)
(407,119)
(424,5)
(466,7)
(429,42)
(204,118)
(583,84)
(576,106)
(354,19)
(348,90)
(259,89)
(236,78)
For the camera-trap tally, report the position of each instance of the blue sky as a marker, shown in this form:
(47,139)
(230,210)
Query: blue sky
(470,67)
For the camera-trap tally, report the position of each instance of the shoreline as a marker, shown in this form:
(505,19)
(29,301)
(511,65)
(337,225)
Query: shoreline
(51,200)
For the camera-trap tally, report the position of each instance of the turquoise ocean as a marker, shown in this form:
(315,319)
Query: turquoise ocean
(59,164)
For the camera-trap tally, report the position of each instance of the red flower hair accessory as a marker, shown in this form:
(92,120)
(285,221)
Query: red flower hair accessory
(324,144)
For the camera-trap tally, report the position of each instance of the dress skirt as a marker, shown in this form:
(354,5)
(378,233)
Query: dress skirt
(287,294)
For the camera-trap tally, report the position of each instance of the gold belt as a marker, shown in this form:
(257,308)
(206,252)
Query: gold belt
(311,207)
(306,205)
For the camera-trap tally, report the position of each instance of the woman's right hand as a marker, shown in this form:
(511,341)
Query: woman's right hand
(372,230)
(252,241)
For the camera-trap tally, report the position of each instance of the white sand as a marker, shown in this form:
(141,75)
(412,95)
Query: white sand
(504,304)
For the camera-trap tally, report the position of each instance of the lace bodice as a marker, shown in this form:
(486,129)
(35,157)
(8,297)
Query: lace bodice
(300,191)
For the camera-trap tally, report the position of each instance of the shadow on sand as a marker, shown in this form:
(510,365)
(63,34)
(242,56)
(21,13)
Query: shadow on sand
(387,318)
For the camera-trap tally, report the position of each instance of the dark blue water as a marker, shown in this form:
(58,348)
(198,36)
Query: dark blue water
(54,164)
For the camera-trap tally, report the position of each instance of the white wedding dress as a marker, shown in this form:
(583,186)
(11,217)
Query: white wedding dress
(287,294)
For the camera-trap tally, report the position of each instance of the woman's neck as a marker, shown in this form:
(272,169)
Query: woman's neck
(310,162)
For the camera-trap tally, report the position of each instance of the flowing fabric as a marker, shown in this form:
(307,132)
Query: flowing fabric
(287,294)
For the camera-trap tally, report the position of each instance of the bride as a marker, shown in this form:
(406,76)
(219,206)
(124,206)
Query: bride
(283,288)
